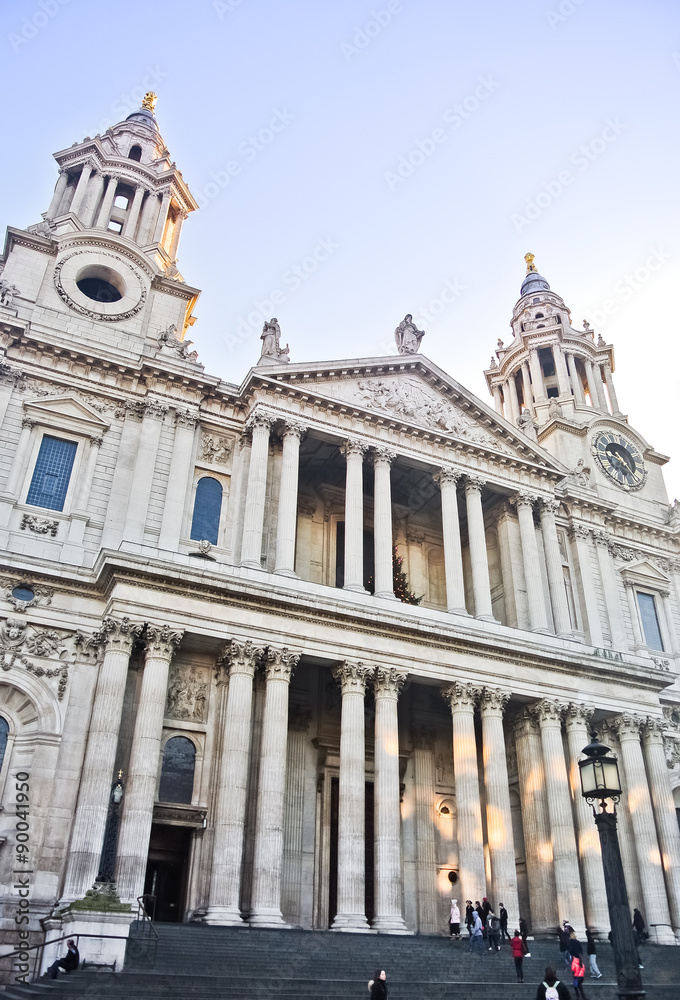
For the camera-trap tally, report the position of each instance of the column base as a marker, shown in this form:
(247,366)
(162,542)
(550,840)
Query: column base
(268,917)
(661,934)
(354,922)
(224,916)
(386,595)
(250,564)
(459,611)
(355,588)
(542,630)
(291,574)
(487,618)
(390,925)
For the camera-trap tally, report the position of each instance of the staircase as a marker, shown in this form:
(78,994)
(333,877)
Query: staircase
(191,962)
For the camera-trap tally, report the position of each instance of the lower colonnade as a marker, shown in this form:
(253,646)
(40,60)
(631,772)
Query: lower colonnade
(498,815)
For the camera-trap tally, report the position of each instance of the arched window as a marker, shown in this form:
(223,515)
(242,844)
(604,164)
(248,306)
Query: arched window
(135,153)
(4,732)
(207,509)
(177,772)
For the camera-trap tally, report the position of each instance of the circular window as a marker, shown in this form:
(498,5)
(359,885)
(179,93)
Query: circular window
(23,593)
(101,284)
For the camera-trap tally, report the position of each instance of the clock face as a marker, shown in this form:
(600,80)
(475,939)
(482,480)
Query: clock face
(620,460)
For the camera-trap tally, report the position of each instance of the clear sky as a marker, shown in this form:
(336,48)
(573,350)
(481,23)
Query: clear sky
(382,154)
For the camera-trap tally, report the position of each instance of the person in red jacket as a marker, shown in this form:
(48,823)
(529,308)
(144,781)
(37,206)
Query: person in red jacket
(518,953)
(579,970)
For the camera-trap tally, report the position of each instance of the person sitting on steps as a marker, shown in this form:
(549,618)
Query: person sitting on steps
(69,963)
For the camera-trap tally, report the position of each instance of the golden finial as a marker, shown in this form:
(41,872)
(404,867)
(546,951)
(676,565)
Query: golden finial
(149,101)
(529,258)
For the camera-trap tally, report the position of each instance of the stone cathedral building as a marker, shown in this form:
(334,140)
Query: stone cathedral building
(208,683)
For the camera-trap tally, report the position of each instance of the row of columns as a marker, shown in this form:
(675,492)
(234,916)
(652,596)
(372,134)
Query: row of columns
(260,425)
(569,382)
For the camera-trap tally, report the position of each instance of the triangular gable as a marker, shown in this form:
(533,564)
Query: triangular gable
(645,574)
(66,411)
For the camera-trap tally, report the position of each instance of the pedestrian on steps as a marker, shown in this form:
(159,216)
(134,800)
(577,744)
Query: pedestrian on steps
(476,937)
(592,953)
(469,919)
(579,972)
(503,915)
(493,932)
(454,920)
(524,931)
(378,986)
(517,946)
(551,988)
(564,945)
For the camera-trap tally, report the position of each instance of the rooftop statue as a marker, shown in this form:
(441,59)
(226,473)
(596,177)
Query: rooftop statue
(407,336)
(271,347)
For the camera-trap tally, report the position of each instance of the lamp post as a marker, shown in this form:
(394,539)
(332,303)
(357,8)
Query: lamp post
(107,862)
(600,781)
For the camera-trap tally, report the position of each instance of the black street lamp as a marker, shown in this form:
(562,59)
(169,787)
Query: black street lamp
(600,781)
(107,861)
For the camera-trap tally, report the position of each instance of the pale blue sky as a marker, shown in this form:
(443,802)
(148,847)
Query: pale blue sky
(573,105)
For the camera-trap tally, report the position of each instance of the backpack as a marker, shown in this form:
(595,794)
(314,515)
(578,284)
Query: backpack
(495,925)
(551,991)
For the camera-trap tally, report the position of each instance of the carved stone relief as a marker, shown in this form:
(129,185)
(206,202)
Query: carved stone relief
(187,693)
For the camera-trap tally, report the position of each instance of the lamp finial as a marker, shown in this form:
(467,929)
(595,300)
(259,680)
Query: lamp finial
(149,101)
(529,258)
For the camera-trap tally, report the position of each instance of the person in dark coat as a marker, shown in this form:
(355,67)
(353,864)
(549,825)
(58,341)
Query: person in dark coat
(564,946)
(69,963)
(378,985)
(639,926)
(592,954)
(550,979)
(503,916)
(575,947)
(524,931)
(469,914)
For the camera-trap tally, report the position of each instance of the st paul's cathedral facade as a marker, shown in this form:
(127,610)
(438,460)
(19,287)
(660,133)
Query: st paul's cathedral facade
(215,682)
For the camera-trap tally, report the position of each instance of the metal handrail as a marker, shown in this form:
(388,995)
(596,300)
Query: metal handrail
(143,915)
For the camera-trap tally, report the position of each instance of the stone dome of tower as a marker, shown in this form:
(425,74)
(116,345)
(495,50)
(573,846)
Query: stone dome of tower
(145,114)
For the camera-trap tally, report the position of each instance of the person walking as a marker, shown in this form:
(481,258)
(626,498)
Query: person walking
(524,931)
(517,946)
(578,971)
(503,915)
(564,946)
(378,986)
(592,953)
(476,936)
(493,931)
(469,919)
(454,920)
(639,926)
(551,988)
(575,946)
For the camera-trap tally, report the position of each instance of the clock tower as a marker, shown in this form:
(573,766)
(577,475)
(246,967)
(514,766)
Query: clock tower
(555,382)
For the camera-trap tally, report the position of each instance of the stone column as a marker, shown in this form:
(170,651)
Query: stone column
(610,588)
(161,218)
(537,375)
(606,367)
(388,889)
(428,908)
(81,188)
(538,621)
(656,911)
(179,477)
(239,660)
(664,814)
(526,386)
(666,623)
(565,857)
(18,469)
(382,523)
(288,494)
(575,378)
(122,483)
(498,811)
(145,467)
(599,388)
(148,210)
(86,479)
(536,823)
(561,371)
(481,587)
(265,908)
(638,638)
(89,823)
(453,558)
(180,219)
(590,379)
(631,872)
(107,203)
(498,399)
(580,534)
(133,213)
(553,561)
(253,521)
(353,451)
(140,791)
(351,909)
(504,520)
(59,189)
(296,865)
(594,892)
(471,869)
(513,400)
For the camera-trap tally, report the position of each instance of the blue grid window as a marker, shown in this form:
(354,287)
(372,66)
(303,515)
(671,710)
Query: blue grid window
(207,509)
(52,473)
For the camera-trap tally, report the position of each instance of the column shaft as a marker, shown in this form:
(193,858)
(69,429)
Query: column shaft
(599,388)
(429,917)
(161,218)
(382,524)
(575,379)
(81,188)
(253,521)
(610,388)
(532,574)
(536,375)
(179,477)
(354,515)
(453,556)
(59,189)
(610,589)
(664,814)
(481,587)
(553,561)
(513,400)
(526,386)
(18,469)
(265,908)
(498,399)
(288,493)
(143,475)
(589,605)
(133,214)
(388,888)
(561,371)
(107,203)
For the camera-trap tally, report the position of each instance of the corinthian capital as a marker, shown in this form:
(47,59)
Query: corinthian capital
(493,701)
(474,484)
(353,446)
(447,475)
(161,640)
(627,726)
(578,716)
(654,729)
(462,697)
(524,499)
(548,712)
(259,418)
(524,724)
(120,634)
(294,429)
(383,456)
(352,677)
(549,505)
(240,657)
(280,663)
(388,682)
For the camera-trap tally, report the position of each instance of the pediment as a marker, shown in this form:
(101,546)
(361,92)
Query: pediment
(645,573)
(67,412)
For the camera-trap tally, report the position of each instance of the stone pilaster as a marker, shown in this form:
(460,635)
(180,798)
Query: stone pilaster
(140,793)
(388,889)
(179,476)
(532,571)
(580,533)
(351,907)
(463,698)
(429,915)
(143,475)
(664,814)
(240,660)
(553,561)
(266,899)
(610,588)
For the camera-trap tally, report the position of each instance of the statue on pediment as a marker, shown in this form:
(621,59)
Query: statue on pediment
(271,346)
(527,424)
(407,336)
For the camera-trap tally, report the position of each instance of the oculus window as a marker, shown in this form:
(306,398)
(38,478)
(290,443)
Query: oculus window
(52,473)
